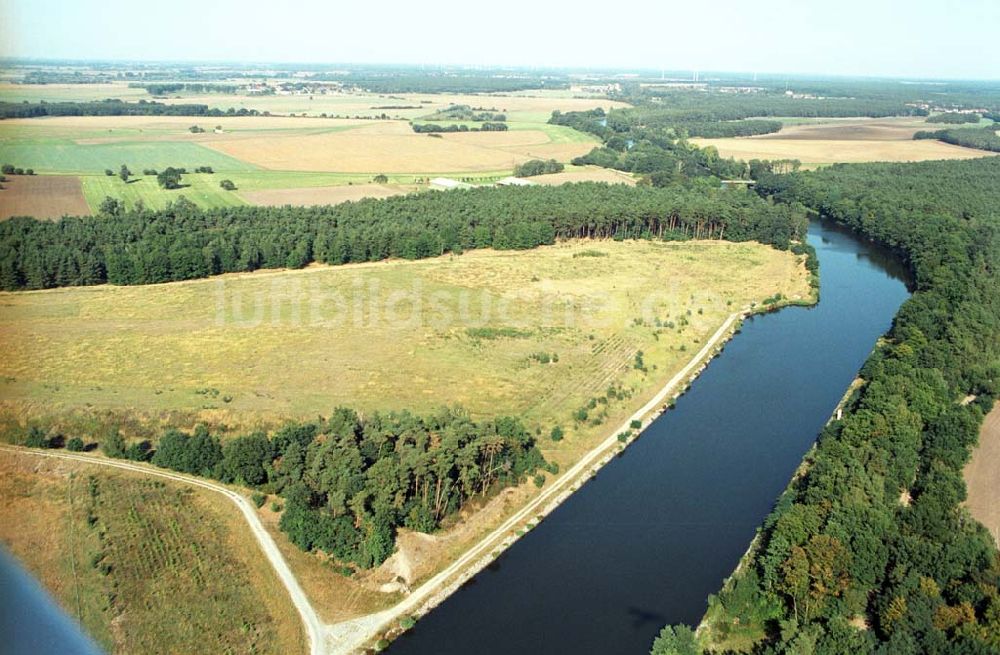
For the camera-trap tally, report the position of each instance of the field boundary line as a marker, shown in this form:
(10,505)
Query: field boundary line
(314,627)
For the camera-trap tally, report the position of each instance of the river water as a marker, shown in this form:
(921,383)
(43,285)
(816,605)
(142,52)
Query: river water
(661,526)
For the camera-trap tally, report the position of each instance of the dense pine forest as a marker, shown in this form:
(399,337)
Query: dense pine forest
(984,139)
(166,88)
(349,481)
(112,107)
(184,242)
(680,105)
(869,550)
(646,142)
(954,118)
(687,113)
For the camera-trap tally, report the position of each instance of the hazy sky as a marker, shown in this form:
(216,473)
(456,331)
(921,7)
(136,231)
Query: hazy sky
(916,38)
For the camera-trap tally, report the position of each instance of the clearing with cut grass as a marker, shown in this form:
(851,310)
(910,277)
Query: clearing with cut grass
(584,174)
(330,195)
(827,141)
(982,474)
(145,565)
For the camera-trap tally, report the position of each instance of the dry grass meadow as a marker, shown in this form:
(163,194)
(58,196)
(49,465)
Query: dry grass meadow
(855,140)
(146,566)
(42,196)
(468,330)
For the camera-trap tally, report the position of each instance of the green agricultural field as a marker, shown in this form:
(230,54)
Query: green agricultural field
(145,565)
(201,189)
(69,157)
(537,333)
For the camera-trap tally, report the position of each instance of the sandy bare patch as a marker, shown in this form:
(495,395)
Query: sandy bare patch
(328,195)
(982,475)
(42,196)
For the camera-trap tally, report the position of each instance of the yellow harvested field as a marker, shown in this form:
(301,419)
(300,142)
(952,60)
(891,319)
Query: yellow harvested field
(392,147)
(853,129)
(563,152)
(509,139)
(831,142)
(69,92)
(327,195)
(982,475)
(97,130)
(588,174)
(531,144)
(76,123)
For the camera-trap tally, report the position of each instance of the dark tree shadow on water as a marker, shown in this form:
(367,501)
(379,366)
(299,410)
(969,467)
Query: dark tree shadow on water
(641,617)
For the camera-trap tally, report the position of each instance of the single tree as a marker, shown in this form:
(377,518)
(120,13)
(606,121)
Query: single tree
(113,445)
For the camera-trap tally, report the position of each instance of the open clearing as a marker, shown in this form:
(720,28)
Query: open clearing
(42,196)
(982,475)
(243,349)
(147,566)
(585,174)
(829,142)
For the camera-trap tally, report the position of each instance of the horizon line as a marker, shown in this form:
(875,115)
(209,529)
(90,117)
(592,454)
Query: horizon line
(635,70)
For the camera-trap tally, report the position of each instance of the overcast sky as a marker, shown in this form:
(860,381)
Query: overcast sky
(912,38)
